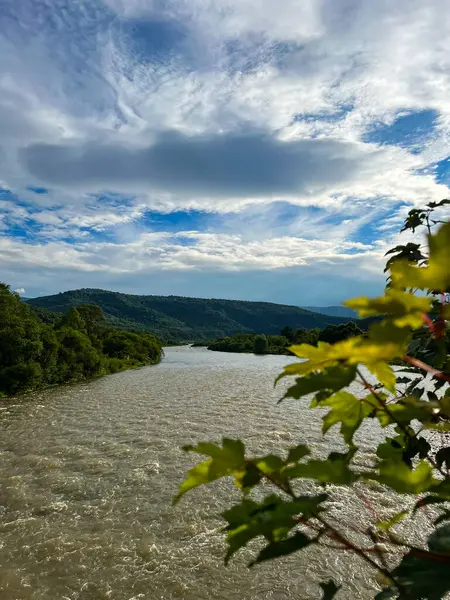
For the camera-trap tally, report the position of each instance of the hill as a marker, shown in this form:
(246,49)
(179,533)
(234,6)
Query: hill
(333,311)
(176,318)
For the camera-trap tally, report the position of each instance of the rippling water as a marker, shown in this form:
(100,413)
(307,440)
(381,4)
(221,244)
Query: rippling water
(88,473)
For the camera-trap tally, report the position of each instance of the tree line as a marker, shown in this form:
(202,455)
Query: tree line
(38,348)
(279,344)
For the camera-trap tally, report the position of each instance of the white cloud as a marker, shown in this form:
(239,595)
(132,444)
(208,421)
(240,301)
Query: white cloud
(20,291)
(183,250)
(84,104)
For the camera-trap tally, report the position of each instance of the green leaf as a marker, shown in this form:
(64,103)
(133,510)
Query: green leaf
(387,525)
(330,589)
(348,410)
(330,380)
(399,477)
(443,457)
(333,470)
(232,451)
(272,466)
(272,519)
(226,460)
(203,473)
(386,594)
(392,448)
(297,453)
(250,477)
(404,447)
(283,547)
(423,577)
(445,516)
(427,576)
(385,342)
(406,410)
(393,339)
(439,541)
(442,488)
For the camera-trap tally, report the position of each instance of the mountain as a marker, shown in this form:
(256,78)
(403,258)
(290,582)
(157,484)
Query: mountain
(333,311)
(177,318)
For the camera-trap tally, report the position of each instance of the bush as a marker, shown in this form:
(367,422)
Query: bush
(411,325)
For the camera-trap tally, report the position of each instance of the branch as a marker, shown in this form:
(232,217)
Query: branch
(421,365)
(339,537)
(361,553)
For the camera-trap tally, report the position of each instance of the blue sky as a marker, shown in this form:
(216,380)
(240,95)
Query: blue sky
(222,149)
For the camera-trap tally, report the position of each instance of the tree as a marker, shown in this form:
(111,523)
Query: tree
(261,344)
(333,333)
(412,322)
(37,351)
(93,317)
(73,320)
(288,333)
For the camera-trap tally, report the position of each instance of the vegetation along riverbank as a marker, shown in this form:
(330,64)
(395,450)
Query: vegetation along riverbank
(39,348)
(279,344)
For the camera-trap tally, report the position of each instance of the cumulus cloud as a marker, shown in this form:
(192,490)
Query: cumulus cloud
(20,291)
(184,250)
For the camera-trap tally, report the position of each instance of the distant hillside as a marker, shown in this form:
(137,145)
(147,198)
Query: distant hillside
(334,311)
(184,319)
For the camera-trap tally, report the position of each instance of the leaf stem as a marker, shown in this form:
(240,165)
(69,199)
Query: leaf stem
(340,538)
(362,554)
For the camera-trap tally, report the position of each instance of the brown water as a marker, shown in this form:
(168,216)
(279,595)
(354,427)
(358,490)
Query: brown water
(88,473)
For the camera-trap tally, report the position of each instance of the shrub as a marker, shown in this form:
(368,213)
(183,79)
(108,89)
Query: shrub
(411,325)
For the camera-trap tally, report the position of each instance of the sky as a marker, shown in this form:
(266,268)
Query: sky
(241,149)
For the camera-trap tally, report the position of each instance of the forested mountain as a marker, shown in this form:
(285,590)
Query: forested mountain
(176,318)
(334,311)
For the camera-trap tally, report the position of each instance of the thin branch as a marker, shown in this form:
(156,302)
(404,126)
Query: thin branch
(361,553)
(421,365)
(340,538)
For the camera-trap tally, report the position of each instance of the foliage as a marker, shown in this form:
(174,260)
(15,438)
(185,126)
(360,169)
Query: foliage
(178,319)
(37,349)
(410,328)
(280,344)
(261,344)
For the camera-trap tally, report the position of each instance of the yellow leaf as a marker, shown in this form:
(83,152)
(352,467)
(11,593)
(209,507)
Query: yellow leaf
(435,276)
(385,344)
(385,375)
(404,308)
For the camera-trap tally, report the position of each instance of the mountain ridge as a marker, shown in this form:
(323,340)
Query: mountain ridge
(333,311)
(180,318)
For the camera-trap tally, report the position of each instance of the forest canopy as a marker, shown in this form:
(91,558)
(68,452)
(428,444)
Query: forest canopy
(39,348)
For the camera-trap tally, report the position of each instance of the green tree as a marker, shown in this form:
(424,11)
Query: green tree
(333,333)
(93,317)
(413,310)
(73,320)
(37,351)
(261,344)
(288,333)
(20,344)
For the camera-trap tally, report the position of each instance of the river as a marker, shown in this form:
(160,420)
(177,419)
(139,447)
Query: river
(88,472)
